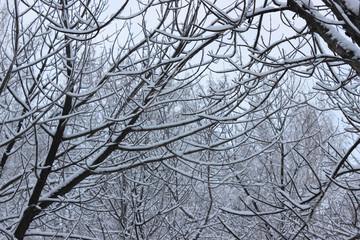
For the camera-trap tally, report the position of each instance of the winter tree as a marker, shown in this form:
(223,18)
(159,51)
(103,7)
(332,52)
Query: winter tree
(153,119)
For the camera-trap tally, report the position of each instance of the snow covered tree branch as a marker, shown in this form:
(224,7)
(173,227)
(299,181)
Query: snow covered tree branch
(146,119)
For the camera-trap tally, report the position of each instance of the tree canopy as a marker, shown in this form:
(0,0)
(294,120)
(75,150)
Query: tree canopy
(179,119)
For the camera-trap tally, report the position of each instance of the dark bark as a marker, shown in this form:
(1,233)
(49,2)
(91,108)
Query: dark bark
(317,26)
